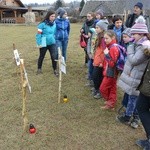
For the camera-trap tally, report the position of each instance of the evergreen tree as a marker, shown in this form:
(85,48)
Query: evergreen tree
(81,5)
(58,4)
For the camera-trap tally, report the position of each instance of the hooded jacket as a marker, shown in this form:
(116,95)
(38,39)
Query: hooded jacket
(110,64)
(134,68)
(62,28)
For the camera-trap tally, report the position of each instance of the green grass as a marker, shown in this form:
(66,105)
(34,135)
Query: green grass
(79,124)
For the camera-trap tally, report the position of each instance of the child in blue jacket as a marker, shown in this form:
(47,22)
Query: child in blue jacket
(62,31)
(45,39)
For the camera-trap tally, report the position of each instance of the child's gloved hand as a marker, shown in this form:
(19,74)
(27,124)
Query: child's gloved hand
(106,51)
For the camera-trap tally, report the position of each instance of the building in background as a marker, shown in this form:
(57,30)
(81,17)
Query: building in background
(11,11)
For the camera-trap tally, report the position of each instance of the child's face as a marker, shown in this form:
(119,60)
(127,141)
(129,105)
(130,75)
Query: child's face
(64,16)
(89,17)
(98,30)
(108,39)
(137,36)
(126,38)
(118,23)
(98,16)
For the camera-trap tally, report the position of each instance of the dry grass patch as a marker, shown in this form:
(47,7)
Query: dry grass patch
(76,125)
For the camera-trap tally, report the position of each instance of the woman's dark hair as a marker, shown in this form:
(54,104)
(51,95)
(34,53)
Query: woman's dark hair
(116,18)
(49,13)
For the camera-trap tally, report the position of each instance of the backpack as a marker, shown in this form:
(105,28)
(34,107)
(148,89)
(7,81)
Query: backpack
(122,57)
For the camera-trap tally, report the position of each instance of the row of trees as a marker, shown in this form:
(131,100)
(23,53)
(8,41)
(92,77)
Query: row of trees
(60,3)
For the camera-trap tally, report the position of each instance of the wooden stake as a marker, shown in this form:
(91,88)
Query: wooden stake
(60,74)
(24,96)
(125,15)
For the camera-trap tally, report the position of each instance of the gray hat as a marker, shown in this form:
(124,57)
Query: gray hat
(61,12)
(103,24)
(127,31)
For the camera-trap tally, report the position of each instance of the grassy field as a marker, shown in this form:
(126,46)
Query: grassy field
(79,124)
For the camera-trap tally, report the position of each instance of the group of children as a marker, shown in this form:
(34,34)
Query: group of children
(103,53)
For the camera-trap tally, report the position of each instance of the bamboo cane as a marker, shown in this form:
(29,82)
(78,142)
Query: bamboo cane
(60,74)
(24,96)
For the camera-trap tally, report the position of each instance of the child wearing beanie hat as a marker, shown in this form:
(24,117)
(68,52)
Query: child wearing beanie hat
(126,37)
(98,61)
(62,31)
(139,26)
(133,71)
(99,15)
(103,24)
(61,12)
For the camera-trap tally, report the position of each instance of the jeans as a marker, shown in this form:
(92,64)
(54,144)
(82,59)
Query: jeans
(143,107)
(90,69)
(52,51)
(63,46)
(131,105)
(125,100)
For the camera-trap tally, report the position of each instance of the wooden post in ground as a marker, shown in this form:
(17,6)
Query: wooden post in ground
(60,74)
(24,96)
(125,15)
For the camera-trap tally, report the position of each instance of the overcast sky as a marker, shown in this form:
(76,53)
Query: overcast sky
(42,1)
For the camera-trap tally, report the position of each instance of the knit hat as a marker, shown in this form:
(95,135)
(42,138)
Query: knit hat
(140,5)
(103,24)
(127,31)
(139,26)
(61,12)
(100,12)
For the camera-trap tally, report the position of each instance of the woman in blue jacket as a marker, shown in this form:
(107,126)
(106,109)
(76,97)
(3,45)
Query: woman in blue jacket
(45,39)
(62,31)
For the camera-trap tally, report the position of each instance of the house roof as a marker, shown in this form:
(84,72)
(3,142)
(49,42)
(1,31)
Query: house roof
(24,9)
(20,3)
(111,7)
(108,6)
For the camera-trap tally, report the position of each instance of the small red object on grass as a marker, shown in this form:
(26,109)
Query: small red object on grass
(32,129)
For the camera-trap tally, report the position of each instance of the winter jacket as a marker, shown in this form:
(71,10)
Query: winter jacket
(131,20)
(62,28)
(86,27)
(110,61)
(99,55)
(144,86)
(134,68)
(48,31)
